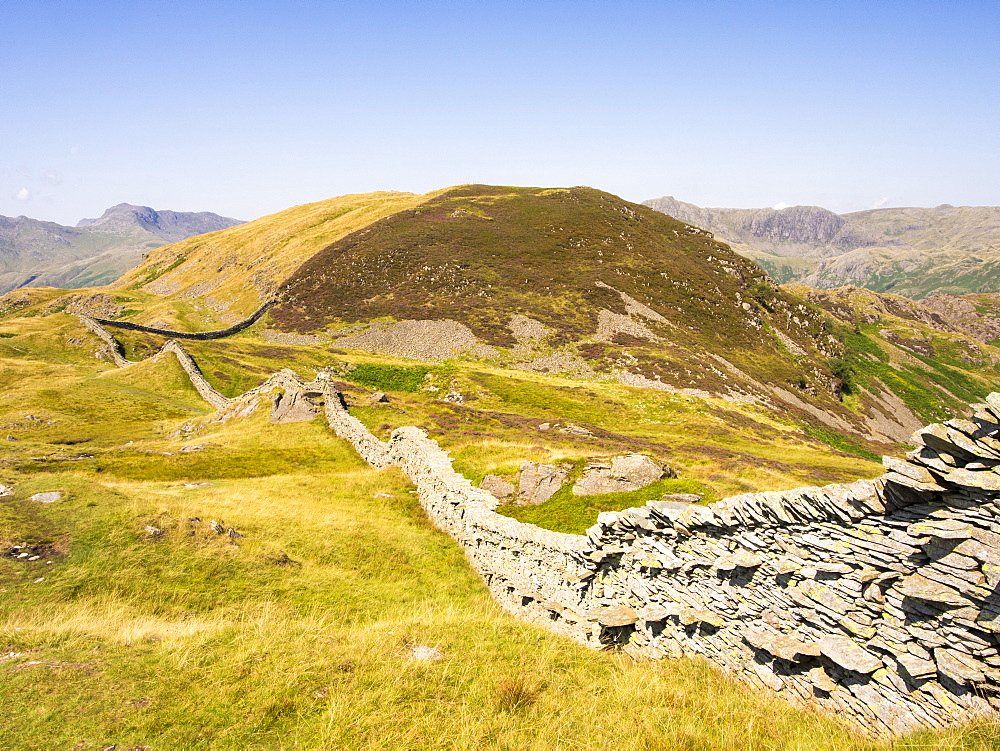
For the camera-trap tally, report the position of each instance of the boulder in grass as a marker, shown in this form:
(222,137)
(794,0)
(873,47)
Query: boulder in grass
(539,482)
(620,474)
(49,497)
(498,487)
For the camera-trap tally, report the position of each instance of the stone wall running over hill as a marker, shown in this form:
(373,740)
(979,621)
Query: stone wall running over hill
(201,385)
(199,335)
(114,349)
(876,600)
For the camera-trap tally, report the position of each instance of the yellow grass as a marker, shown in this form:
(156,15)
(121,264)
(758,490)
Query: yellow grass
(243,265)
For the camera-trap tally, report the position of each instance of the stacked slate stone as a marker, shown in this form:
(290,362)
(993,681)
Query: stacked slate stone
(539,575)
(205,390)
(875,599)
(351,429)
(113,348)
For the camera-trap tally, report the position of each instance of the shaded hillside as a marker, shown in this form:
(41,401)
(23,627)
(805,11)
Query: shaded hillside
(910,251)
(96,251)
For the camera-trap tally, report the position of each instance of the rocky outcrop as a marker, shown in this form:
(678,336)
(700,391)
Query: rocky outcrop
(617,475)
(293,406)
(498,487)
(539,482)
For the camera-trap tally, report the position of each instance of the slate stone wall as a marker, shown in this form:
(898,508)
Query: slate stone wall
(114,348)
(875,600)
(205,390)
(199,335)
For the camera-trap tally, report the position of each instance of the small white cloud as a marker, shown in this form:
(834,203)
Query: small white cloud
(74,149)
(52,178)
(22,195)
(881,202)
(780,205)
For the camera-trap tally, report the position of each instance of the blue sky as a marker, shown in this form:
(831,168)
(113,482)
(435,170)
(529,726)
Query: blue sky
(245,108)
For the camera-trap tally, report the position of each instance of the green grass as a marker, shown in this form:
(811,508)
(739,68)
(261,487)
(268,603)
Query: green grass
(300,635)
(565,512)
(306,627)
(388,378)
(840,442)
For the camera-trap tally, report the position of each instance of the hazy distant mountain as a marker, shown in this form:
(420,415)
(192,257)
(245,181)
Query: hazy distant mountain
(910,251)
(34,253)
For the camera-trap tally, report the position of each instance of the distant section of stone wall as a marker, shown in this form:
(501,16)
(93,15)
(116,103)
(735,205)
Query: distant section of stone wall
(114,348)
(199,335)
(205,390)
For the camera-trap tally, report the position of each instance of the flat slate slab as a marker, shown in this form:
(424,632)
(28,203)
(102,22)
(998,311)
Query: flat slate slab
(50,497)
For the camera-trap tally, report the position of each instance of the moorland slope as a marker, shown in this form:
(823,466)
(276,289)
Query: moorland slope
(573,281)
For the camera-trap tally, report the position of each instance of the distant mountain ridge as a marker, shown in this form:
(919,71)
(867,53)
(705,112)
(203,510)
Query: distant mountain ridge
(97,251)
(171,226)
(913,252)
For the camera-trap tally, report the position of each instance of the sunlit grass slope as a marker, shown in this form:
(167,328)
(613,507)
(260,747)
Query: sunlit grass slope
(233,271)
(148,629)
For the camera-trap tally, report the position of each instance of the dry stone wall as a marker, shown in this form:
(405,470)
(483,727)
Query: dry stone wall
(199,335)
(113,348)
(876,600)
(205,390)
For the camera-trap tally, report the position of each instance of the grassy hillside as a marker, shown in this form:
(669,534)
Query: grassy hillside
(616,290)
(225,276)
(139,626)
(573,282)
(479,255)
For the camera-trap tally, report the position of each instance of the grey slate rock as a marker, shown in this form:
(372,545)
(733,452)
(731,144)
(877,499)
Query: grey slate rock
(620,474)
(49,497)
(539,482)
